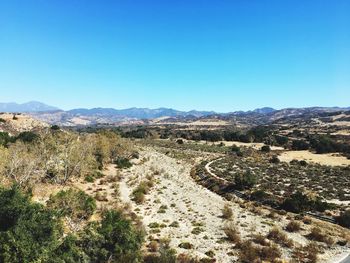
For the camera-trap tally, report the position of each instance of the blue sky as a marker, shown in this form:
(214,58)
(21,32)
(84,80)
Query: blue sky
(207,55)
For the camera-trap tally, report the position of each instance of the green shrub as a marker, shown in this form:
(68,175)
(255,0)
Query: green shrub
(274,159)
(186,245)
(138,195)
(114,239)
(122,162)
(55,128)
(245,181)
(73,203)
(89,178)
(299,202)
(344,219)
(28,231)
(265,148)
(5,138)
(27,137)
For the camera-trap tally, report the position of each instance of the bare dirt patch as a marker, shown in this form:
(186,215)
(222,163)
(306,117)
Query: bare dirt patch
(323,159)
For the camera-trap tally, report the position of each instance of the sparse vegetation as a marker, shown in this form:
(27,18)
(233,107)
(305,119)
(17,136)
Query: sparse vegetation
(279,237)
(316,234)
(293,226)
(73,203)
(227,212)
(232,233)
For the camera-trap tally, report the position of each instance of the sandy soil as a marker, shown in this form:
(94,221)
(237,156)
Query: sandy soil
(324,159)
(189,203)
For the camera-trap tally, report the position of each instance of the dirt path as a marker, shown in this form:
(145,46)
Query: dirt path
(208,169)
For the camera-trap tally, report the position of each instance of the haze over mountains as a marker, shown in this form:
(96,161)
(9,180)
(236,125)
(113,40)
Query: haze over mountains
(31,106)
(82,116)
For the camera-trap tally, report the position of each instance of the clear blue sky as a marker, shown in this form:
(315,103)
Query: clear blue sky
(213,55)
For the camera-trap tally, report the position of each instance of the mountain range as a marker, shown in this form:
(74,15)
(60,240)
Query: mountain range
(82,116)
(31,106)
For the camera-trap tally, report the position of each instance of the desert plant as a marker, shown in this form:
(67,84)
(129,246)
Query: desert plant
(227,212)
(293,226)
(73,203)
(186,245)
(232,232)
(265,148)
(122,162)
(316,234)
(250,253)
(344,219)
(279,237)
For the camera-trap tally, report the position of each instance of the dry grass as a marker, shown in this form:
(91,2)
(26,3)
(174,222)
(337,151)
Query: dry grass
(307,254)
(293,226)
(232,233)
(260,239)
(278,236)
(227,212)
(250,253)
(318,235)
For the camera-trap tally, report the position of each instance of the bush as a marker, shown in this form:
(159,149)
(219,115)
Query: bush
(179,141)
(308,254)
(344,219)
(281,140)
(235,148)
(274,159)
(114,239)
(279,237)
(5,138)
(232,233)
(250,253)
(28,231)
(89,178)
(227,212)
(138,195)
(27,137)
(265,148)
(299,202)
(317,234)
(293,226)
(299,145)
(245,181)
(259,195)
(186,245)
(73,203)
(122,163)
(55,128)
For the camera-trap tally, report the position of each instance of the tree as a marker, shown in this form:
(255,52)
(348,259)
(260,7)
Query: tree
(27,136)
(115,239)
(265,148)
(72,203)
(299,145)
(344,219)
(28,231)
(23,165)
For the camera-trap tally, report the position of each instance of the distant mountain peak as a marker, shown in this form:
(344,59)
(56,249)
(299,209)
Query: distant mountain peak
(264,110)
(31,106)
